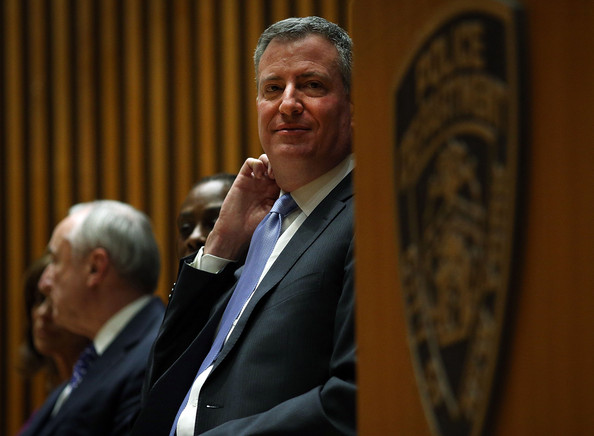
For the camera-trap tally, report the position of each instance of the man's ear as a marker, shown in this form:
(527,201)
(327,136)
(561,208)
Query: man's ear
(98,263)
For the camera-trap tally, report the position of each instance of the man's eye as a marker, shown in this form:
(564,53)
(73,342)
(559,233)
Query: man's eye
(271,89)
(185,229)
(314,88)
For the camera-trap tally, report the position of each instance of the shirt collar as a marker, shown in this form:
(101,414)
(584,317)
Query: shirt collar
(309,196)
(114,325)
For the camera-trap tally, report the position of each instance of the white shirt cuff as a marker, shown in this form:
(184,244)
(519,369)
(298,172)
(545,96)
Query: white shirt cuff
(208,262)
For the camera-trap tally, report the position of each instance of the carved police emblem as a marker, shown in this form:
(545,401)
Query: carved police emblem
(457,140)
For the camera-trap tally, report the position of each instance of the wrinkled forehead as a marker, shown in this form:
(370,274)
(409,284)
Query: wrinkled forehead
(310,39)
(310,55)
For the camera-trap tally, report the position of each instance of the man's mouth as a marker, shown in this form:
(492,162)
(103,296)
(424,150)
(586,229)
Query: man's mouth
(291,129)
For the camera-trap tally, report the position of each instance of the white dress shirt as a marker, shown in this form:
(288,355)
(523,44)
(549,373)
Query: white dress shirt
(307,197)
(106,335)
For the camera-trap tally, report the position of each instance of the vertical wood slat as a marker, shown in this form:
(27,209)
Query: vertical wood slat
(14,125)
(330,10)
(61,106)
(39,175)
(207,86)
(39,123)
(109,103)
(158,126)
(134,98)
(86,96)
(254,27)
(305,8)
(182,144)
(280,10)
(230,92)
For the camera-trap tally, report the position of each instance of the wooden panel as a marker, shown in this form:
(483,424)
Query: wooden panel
(40,124)
(61,107)
(135,100)
(14,192)
(86,79)
(159,112)
(546,385)
(206,91)
(109,101)
(388,399)
(550,389)
(254,26)
(332,11)
(306,8)
(182,146)
(279,10)
(229,87)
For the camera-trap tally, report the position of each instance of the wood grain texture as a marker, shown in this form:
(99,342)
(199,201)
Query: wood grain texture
(546,386)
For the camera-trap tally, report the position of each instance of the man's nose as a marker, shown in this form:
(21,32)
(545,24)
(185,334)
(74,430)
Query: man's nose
(197,239)
(291,103)
(44,283)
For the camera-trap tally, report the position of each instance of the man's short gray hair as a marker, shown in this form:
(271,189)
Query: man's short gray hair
(125,233)
(292,29)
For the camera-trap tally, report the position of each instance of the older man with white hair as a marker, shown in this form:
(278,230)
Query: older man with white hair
(104,269)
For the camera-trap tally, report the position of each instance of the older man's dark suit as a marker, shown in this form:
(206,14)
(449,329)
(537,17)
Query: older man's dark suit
(289,365)
(108,398)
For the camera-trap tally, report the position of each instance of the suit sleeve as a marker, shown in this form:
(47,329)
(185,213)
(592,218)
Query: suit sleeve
(326,409)
(129,404)
(195,296)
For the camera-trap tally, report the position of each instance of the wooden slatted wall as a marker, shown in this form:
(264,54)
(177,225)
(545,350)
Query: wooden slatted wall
(125,99)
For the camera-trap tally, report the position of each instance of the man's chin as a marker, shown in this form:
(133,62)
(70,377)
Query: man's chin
(290,151)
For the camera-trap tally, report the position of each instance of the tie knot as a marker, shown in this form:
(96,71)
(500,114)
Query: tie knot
(284,205)
(89,353)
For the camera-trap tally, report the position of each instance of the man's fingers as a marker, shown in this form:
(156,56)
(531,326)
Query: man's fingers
(266,162)
(260,167)
(257,167)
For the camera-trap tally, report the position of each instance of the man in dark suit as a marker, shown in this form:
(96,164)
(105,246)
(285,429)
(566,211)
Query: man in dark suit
(104,268)
(286,363)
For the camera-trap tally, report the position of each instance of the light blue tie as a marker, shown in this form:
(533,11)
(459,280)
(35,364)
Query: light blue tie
(261,246)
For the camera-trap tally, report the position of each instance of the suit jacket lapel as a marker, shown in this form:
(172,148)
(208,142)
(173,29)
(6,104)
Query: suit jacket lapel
(309,231)
(181,373)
